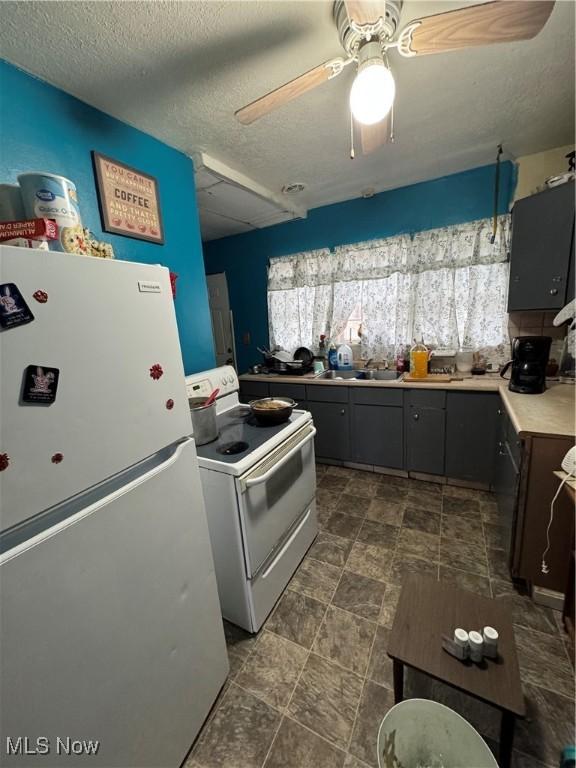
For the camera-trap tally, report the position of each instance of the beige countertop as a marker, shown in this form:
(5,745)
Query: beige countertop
(549,414)
(486,383)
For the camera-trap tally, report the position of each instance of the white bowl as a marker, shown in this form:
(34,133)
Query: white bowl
(421,733)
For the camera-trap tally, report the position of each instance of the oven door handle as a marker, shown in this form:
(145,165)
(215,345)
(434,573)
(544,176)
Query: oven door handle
(267,475)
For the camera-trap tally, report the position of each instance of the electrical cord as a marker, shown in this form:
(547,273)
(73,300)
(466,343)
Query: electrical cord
(545,567)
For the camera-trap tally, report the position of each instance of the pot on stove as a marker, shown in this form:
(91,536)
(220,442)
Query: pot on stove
(203,420)
(272,410)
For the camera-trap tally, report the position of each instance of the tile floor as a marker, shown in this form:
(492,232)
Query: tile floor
(311,689)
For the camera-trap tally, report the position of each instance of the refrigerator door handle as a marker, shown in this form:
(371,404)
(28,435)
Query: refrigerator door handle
(16,540)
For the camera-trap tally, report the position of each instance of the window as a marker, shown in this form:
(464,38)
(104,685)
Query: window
(448,285)
(349,334)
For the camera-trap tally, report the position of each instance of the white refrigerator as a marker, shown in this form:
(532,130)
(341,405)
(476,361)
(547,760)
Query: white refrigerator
(111,642)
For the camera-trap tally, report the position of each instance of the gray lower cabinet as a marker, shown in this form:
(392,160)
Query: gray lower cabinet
(377,427)
(506,475)
(471,430)
(331,414)
(506,467)
(425,425)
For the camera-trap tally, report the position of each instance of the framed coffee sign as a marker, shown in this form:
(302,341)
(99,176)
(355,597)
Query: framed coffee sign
(128,199)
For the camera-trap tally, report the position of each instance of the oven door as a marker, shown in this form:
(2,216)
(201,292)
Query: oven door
(273,495)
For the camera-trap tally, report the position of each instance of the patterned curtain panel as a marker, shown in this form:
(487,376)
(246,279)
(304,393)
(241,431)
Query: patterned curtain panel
(448,285)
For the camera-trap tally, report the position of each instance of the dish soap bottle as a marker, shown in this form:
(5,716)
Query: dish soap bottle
(332,358)
(344,358)
(419,360)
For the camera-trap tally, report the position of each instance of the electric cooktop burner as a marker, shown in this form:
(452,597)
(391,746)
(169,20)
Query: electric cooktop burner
(238,435)
(229,449)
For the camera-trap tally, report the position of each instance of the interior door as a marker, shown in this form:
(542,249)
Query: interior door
(111,626)
(221,319)
(109,328)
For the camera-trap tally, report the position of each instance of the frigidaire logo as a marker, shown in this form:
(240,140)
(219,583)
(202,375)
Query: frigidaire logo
(24,745)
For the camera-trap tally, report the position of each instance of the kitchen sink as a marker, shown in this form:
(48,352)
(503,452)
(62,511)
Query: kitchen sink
(337,375)
(387,375)
(361,375)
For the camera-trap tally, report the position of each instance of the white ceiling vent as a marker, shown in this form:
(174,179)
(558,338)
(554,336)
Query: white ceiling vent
(230,202)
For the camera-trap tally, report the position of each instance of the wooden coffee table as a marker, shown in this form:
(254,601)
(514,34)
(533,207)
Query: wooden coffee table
(428,609)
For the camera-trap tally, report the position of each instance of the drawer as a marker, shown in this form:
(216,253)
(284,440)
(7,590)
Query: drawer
(376,396)
(272,580)
(320,393)
(426,398)
(251,390)
(295,391)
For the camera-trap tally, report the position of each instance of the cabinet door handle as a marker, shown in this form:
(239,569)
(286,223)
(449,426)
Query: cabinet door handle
(342,412)
(416,416)
(553,291)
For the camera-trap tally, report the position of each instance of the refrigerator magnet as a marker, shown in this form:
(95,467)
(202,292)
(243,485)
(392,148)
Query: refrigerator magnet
(40,384)
(13,309)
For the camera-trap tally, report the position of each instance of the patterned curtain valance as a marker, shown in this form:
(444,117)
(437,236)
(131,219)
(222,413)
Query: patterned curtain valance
(460,245)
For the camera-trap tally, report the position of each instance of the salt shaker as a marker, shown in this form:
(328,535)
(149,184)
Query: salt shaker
(460,647)
(476,646)
(490,636)
(461,640)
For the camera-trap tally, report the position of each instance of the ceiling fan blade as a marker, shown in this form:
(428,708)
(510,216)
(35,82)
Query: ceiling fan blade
(501,21)
(285,93)
(365,11)
(374,136)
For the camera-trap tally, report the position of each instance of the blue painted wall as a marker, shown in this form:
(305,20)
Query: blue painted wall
(449,200)
(43,128)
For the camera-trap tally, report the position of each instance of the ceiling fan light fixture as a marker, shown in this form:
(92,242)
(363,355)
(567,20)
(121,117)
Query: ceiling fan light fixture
(373,90)
(372,94)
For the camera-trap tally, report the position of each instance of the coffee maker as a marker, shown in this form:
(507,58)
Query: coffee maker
(529,360)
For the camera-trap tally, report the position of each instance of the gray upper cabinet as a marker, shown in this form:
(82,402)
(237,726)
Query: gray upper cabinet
(471,432)
(377,428)
(542,250)
(425,424)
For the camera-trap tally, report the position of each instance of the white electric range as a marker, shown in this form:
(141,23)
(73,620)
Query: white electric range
(259,485)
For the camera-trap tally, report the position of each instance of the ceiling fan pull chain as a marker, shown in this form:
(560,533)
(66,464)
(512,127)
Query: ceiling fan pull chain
(391,136)
(352,153)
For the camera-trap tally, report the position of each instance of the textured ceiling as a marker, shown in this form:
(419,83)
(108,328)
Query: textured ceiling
(179,70)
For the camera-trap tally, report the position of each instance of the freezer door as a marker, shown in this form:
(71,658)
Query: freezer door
(104,326)
(111,628)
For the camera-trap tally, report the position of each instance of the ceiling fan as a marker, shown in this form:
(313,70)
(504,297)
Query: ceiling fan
(367,31)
